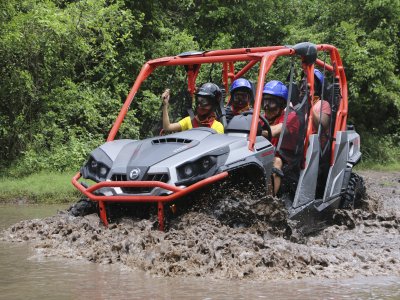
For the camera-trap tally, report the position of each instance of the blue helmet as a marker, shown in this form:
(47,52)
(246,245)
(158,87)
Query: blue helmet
(276,88)
(240,83)
(319,76)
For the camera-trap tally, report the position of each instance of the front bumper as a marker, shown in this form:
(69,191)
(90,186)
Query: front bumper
(174,193)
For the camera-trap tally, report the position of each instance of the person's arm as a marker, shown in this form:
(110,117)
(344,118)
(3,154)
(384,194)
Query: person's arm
(167,125)
(275,131)
(316,113)
(324,120)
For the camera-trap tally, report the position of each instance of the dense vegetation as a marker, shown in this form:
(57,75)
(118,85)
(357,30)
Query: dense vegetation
(67,65)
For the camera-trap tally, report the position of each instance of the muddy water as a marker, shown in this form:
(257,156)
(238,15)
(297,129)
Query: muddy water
(201,258)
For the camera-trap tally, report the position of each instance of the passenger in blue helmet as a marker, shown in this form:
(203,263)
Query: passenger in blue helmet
(241,98)
(321,110)
(318,82)
(275,96)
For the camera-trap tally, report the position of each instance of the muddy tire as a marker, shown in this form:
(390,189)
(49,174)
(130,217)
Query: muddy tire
(354,193)
(83,207)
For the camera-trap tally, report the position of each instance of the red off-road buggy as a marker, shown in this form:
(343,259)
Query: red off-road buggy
(158,172)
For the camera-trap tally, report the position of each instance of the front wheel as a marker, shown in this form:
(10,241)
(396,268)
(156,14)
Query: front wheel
(83,207)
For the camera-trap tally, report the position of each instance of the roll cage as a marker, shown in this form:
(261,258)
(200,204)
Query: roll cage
(266,56)
(192,61)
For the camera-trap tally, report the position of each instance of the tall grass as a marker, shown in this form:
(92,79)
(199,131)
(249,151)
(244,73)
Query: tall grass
(39,188)
(380,153)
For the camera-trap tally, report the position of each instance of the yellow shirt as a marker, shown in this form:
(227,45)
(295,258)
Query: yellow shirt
(186,124)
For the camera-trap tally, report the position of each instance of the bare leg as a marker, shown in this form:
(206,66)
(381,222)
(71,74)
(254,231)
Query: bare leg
(277,179)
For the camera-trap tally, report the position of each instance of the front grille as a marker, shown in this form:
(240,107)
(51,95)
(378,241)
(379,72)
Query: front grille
(171,140)
(163,177)
(119,177)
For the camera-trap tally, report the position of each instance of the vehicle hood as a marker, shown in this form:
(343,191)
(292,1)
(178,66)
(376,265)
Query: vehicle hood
(123,155)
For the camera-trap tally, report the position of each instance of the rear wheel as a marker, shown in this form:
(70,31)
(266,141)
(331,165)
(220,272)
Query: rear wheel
(354,193)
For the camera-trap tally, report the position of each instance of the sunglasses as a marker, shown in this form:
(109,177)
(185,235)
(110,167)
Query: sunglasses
(270,103)
(203,102)
(241,97)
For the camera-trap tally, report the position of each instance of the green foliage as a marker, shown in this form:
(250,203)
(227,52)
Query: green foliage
(66,66)
(248,23)
(60,68)
(380,150)
(366,33)
(39,188)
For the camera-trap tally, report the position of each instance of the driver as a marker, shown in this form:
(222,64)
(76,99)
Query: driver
(241,98)
(275,96)
(207,99)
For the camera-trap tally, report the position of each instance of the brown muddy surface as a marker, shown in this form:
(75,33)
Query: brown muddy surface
(361,242)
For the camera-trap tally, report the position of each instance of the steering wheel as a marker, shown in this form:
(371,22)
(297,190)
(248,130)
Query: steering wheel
(262,118)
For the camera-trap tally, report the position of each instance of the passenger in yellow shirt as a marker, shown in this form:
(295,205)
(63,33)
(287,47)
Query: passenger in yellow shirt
(207,100)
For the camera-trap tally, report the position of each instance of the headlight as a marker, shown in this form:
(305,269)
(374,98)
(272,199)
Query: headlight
(207,162)
(95,170)
(93,164)
(196,168)
(103,171)
(188,170)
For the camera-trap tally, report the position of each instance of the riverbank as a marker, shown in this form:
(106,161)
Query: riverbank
(40,188)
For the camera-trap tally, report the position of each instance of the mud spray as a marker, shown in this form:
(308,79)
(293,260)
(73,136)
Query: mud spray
(240,237)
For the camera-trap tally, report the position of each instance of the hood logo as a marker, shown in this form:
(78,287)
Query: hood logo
(181,149)
(134,174)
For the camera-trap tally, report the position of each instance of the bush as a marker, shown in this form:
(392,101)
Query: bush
(384,150)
